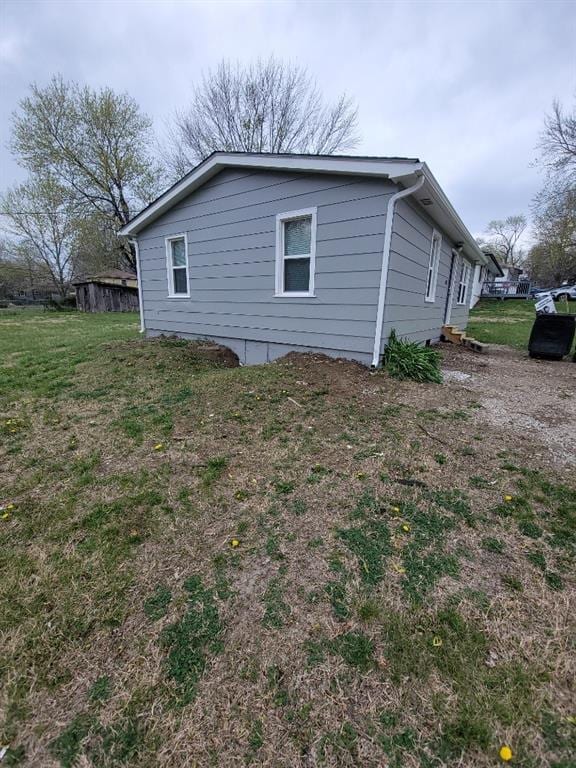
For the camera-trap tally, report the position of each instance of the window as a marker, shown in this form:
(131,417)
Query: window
(432,276)
(463,283)
(295,253)
(177,263)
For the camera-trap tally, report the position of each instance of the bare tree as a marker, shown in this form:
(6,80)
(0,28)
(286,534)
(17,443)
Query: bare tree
(95,144)
(558,143)
(20,269)
(503,236)
(554,207)
(42,218)
(553,256)
(269,106)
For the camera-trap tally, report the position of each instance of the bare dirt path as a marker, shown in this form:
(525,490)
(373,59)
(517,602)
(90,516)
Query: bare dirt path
(535,398)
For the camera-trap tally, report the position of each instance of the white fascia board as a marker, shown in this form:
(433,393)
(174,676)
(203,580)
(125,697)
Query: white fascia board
(320,164)
(392,169)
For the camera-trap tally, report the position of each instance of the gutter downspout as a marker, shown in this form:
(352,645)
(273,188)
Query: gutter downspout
(139,279)
(385,264)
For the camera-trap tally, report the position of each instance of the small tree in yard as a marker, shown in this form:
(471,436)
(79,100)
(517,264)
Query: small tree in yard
(42,218)
(266,107)
(95,144)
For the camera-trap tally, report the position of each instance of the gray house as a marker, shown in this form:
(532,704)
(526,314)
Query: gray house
(268,254)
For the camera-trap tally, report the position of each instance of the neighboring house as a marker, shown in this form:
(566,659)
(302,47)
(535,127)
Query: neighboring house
(483,277)
(509,283)
(112,291)
(510,274)
(268,254)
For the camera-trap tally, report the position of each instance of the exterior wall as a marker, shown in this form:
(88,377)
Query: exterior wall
(510,274)
(406,309)
(460,312)
(230,224)
(256,352)
(97,297)
(478,278)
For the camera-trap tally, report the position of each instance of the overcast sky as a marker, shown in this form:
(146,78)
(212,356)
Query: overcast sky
(462,85)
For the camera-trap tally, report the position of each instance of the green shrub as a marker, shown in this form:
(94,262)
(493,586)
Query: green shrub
(408,360)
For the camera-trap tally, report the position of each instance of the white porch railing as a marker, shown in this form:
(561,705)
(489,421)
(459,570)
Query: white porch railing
(505,289)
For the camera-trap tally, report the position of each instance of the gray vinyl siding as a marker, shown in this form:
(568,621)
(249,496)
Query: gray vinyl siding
(460,312)
(406,309)
(230,225)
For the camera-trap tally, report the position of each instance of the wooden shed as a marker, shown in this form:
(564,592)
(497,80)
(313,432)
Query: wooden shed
(112,291)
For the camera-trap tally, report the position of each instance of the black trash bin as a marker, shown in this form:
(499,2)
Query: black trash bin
(552,336)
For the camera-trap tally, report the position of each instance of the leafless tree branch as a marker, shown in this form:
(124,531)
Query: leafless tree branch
(504,236)
(269,106)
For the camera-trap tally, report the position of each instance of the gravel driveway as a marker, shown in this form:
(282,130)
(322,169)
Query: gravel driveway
(534,397)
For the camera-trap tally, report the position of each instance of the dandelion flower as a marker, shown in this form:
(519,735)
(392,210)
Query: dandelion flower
(395,509)
(437,642)
(505,753)
(6,515)
(234,543)
(158,446)
(507,498)
(406,527)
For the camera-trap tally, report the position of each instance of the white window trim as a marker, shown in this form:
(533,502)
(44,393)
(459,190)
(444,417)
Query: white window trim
(169,267)
(465,270)
(436,236)
(280,257)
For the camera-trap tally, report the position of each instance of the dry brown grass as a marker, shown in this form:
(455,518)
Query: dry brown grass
(305,439)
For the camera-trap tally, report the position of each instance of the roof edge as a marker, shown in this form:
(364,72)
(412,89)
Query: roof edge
(473,250)
(393,168)
(401,170)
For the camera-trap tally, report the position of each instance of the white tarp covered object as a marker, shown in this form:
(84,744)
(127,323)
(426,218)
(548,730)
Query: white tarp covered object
(545,305)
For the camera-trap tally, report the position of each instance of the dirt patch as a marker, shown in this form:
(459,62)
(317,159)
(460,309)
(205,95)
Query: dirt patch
(206,350)
(529,401)
(534,399)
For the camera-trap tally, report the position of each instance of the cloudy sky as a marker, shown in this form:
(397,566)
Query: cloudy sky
(462,85)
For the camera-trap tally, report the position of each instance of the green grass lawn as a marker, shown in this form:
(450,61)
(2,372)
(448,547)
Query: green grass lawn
(507,322)
(285,565)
